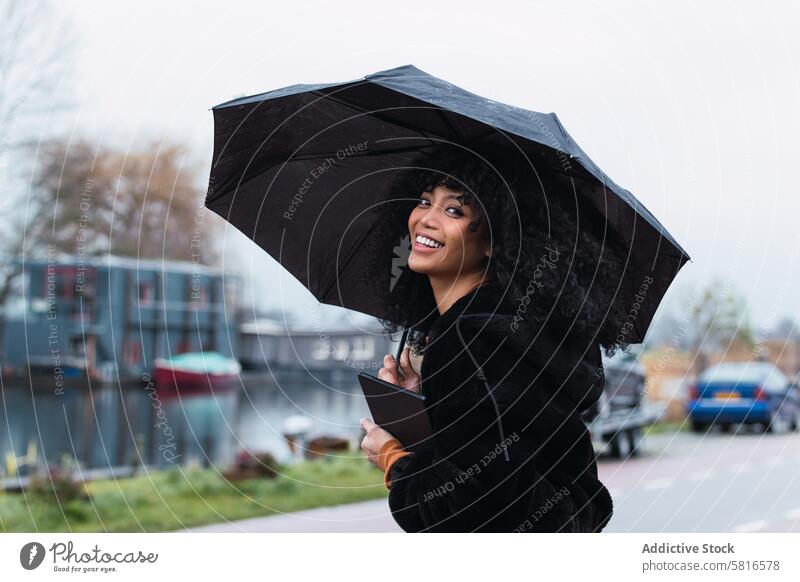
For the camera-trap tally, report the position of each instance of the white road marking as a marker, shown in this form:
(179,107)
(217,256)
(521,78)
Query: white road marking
(657,484)
(771,462)
(700,475)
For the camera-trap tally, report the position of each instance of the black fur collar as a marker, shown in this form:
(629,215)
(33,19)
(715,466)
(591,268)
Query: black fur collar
(538,370)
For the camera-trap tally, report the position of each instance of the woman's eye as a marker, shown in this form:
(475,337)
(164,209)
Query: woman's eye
(456,211)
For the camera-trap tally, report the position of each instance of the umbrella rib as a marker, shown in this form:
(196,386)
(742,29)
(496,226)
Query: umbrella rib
(378,115)
(345,263)
(364,154)
(441,112)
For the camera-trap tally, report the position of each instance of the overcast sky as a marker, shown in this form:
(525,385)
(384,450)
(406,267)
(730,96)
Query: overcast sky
(691,106)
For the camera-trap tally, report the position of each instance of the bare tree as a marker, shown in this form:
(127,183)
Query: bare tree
(719,319)
(145,203)
(34,53)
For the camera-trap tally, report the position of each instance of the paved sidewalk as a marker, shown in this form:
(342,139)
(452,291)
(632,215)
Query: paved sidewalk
(368,517)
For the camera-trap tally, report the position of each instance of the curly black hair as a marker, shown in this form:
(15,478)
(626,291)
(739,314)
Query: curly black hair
(550,252)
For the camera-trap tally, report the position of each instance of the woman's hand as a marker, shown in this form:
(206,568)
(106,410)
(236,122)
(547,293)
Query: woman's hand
(375,439)
(407,378)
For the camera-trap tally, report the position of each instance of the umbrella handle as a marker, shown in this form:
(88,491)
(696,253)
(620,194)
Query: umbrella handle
(400,347)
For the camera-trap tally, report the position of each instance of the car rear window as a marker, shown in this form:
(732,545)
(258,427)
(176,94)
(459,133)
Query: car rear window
(743,372)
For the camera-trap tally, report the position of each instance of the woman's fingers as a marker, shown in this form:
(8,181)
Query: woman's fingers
(402,375)
(373,440)
(405,362)
(410,377)
(390,363)
(387,375)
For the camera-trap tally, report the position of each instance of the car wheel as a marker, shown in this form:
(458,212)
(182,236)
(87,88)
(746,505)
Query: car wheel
(768,425)
(620,445)
(725,427)
(635,441)
(794,424)
(699,426)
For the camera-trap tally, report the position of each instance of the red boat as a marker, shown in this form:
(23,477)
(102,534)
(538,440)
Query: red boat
(195,373)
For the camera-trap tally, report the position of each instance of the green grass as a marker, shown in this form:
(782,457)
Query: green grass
(180,497)
(664,427)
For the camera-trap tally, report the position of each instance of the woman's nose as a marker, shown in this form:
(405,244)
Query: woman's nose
(429,220)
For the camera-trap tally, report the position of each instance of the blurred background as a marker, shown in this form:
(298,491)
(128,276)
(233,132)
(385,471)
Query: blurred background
(161,372)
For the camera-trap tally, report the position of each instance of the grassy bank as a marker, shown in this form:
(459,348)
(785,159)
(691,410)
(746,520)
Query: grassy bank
(177,498)
(665,427)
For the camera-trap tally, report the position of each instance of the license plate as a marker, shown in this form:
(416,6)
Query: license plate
(725,395)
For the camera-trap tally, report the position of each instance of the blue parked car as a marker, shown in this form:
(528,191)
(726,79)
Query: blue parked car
(743,392)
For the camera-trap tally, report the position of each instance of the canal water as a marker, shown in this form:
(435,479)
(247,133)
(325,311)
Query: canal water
(334,404)
(109,425)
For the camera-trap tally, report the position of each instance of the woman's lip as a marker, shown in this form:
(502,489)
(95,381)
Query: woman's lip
(418,246)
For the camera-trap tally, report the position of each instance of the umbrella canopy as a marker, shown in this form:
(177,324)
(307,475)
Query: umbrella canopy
(298,169)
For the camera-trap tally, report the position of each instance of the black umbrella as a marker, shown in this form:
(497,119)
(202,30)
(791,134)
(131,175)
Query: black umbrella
(296,169)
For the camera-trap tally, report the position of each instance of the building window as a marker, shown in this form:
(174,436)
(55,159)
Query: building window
(77,346)
(17,302)
(341,349)
(196,292)
(58,282)
(231,298)
(322,350)
(363,347)
(145,293)
(132,353)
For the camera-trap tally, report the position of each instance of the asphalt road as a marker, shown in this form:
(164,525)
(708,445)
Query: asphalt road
(681,482)
(745,482)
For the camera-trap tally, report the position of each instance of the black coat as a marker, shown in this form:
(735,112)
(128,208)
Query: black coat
(511,451)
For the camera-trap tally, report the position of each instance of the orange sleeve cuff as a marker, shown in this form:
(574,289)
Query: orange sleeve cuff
(390,451)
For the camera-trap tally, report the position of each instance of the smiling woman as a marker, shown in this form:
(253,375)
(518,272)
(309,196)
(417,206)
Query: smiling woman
(496,219)
(448,244)
(497,283)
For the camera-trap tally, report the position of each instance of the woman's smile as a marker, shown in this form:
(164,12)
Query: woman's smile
(426,244)
(444,246)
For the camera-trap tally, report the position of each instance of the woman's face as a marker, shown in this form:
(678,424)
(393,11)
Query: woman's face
(442,217)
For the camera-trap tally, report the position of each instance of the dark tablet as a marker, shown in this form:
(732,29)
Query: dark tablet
(398,411)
